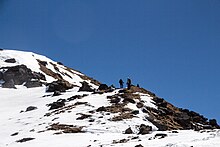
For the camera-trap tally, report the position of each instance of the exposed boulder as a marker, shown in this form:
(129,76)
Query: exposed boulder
(14,134)
(144,129)
(129,100)
(9,84)
(11,60)
(32,84)
(30,108)
(44,63)
(214,123)
(160,125)
(83,116)
(17,75)
(58,104)
(76,97)
(59,85)
(122,91)
(103,87)
(160,135)
(25,139)
(56,93)
(135,112)
(100,109)
(129,131)
(86,87)
(139,105)
(158,100)
(120,141)
(139,145)
(60,63)
(183,119)
(114,99)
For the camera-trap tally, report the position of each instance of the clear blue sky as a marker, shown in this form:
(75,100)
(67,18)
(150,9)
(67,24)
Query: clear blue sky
(170,47)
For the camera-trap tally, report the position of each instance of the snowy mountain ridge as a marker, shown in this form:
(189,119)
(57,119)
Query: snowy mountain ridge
(46,103)
(40,64)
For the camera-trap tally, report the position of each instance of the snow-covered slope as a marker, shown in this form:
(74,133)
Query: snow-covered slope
(34,124)
(81,117)
(41,64)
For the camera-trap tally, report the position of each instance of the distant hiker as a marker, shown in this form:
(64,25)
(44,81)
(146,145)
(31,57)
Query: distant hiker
(121,83)
(138,85)
(129,83)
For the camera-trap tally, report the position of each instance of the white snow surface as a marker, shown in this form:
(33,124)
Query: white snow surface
(30,60)
(100,132)
(16,123)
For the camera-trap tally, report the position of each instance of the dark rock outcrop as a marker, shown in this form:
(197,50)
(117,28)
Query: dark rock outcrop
(144,129)
(14,134)
(58,104)
(25,139)
(12,60)
(59,85)
(20,74)
(47,71)
(76,97)
(160,135)
(135,112)
(129,100)
(114,99)
(139,105)
(86,87)
(44,63)
(56,93)
(100,109)
(169,117)
(139,145)
(214,123)
(32,84)
(31,108)
(63,128)
(103,87)
(164,117)
(129,131)
(9,84)
(83,116)
(161,126)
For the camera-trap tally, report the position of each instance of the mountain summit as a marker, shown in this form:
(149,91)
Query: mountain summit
(33,70)
(46,103)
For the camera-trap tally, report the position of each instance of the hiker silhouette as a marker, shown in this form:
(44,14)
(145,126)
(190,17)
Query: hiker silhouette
(121,83)
(128,83)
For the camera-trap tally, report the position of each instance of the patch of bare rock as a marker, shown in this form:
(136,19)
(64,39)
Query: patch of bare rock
(58,86)
(64,128)
(165,117)
(25,140)
(20,74)
(11,60)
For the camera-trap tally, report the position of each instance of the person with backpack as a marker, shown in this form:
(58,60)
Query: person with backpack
(128,83)
(121,83)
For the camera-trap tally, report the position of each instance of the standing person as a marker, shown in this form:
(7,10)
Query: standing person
(129,83)
(121,83)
